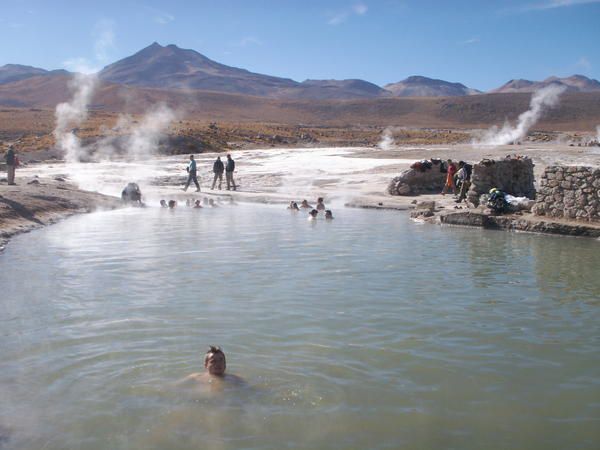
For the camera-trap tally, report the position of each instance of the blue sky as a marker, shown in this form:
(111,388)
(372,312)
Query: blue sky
(482,44)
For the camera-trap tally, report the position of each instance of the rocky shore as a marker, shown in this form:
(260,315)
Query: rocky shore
(35,202)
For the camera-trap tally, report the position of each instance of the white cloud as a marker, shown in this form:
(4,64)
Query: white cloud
(552,4)
(249,40)
(473,40)
(160,17)
(104,37)
(583,64)
(358,9)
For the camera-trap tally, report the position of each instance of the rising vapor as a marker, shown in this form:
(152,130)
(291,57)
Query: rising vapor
(387,140)
(542,100)
(69,115)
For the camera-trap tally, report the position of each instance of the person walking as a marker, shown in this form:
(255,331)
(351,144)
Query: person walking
(229,172)
(192,174)
(11,164)
(218,169)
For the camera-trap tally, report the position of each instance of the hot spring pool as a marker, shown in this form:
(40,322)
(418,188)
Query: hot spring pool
(366,332)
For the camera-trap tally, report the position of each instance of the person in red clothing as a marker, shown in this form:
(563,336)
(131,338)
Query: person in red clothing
(451,171)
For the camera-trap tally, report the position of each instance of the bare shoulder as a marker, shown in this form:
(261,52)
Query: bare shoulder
(192,379)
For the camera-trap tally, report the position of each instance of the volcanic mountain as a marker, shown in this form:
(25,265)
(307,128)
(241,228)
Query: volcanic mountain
(574,83)
(16,72)
(171,67)
(417,86)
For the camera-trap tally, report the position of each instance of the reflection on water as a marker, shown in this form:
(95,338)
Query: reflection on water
(365,332)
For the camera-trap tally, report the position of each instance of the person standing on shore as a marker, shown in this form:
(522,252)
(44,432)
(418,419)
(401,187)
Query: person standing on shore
(192,174)
(451,170)
(229,172)
(218,169)
(11,164)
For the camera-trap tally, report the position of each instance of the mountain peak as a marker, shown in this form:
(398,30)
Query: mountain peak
(420,86)
(574,83)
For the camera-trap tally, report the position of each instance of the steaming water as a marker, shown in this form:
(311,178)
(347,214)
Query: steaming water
(366,332)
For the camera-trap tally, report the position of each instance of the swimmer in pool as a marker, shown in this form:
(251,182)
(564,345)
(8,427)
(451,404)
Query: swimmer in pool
(328,215)
(293,206)
(214,365)
(163,204)
(320,204)
(197,204)
(305,204)
(172,204)
(212,203)
(313,214)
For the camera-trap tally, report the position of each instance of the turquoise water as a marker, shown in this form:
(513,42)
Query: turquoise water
(366,332)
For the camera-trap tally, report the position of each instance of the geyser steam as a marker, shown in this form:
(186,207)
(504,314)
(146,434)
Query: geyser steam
(70,115)
(387,140)
(541,100)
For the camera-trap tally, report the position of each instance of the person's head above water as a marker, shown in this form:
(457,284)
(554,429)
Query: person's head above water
(328,214)
(214,361)
(163,203)
(314,213)
(172,204)
(320,200)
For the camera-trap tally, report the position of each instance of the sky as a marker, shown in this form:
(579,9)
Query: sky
(481,44)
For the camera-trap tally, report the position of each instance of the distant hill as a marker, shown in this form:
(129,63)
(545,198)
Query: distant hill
(334,89)
(171,67)
(577,111)
(16,72)
(418,86)
(574,83)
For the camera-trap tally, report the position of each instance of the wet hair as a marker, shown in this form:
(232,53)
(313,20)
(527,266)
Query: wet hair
(212,350)
(328,212)
(314,212)
(320,199)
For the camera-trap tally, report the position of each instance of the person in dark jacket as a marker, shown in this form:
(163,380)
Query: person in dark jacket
(465,170)
(218,169)
(229,169)
(11,164)
(192,174)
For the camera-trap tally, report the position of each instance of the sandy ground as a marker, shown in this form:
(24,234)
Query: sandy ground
(343,176)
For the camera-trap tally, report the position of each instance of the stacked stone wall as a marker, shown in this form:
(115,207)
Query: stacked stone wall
(570,192)
(513,175)
(415,182)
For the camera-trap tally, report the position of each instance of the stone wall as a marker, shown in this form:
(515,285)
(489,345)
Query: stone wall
(570,192)
(415,182)
(513,175)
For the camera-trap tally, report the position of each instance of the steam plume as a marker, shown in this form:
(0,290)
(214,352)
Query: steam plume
(387,140)
(541,100)
(70,115)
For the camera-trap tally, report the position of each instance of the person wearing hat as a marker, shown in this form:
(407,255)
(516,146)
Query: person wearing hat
(11,164)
